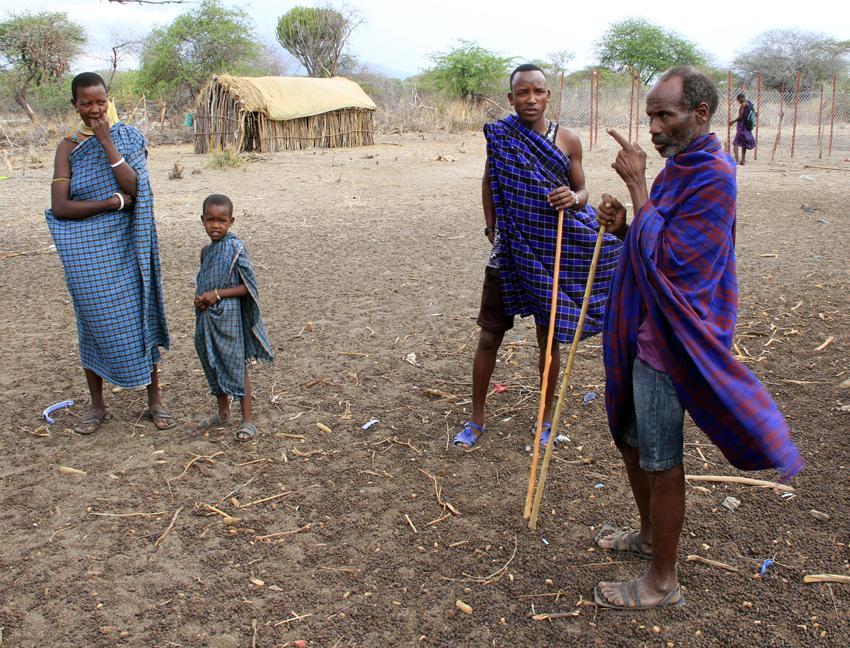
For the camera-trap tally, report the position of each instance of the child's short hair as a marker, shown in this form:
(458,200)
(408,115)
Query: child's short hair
(218,199)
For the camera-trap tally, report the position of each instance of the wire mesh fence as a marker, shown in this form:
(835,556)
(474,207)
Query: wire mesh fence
(791,124)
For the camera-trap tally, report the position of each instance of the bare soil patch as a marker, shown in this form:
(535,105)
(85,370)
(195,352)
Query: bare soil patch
(365,256)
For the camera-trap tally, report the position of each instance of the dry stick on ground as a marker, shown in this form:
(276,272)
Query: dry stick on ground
(826,578)
(168,528)
(734,479)
(204,458)
(281,534)
(126,515)
(278,496)
(551,616)
(568,372)
(492,578)
(544,382)
(438,493)
(294,617)
(410,522)
(711,563)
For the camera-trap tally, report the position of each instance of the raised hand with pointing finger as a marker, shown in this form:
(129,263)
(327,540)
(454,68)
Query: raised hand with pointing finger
(630,165)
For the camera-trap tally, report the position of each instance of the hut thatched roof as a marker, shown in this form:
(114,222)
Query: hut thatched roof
(284,98)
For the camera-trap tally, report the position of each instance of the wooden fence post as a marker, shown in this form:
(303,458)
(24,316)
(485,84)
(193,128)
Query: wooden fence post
(794,125)
(590,120)
(820,124)
(832,115)
(728,111)
(758,119)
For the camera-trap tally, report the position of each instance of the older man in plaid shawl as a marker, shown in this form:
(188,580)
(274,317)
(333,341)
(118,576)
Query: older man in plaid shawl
(534,169)
(668,333)
(102,223)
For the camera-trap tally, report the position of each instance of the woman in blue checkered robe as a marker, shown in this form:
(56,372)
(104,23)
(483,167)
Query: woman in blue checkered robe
(102,223)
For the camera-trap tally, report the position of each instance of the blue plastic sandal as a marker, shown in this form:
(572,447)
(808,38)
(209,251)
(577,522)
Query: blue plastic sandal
(544,435)
(466,438)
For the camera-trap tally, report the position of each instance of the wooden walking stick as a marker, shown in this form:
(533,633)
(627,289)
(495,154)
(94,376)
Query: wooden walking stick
(544,380)
(568,371)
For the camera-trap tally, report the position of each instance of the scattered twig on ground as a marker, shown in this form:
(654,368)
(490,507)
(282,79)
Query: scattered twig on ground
(492,578)
(826,578)
(551,616)
(748,481)
(281,534)
(237,489)
(410,522)
(278,496)
(168,528)
(438,492)
(294,617)
(204,458)
(711,563)
(127,515)
(826,343)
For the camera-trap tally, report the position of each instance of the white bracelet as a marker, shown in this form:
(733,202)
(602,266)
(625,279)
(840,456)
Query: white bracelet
(121,199)
(118,163)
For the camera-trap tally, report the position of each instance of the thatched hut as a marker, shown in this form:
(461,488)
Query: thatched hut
(267,114)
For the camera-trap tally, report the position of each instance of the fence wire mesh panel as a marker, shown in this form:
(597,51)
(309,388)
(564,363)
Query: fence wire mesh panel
(821,129)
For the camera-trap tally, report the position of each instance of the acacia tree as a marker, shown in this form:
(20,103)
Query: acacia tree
(35,49)
(638,43)
(469,71)
(316,36)
(779,54)
(210,39)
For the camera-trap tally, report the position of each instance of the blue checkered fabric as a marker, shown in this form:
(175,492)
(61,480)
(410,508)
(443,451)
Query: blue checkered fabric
(524,168)
(111,263)
(231,332)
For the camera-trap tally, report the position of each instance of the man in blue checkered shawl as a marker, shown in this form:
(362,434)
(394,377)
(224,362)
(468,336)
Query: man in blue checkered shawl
(229,330)
(533,170)
(101,220)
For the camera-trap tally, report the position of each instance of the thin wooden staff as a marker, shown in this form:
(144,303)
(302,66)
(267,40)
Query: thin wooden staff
(544,380)
(568,371)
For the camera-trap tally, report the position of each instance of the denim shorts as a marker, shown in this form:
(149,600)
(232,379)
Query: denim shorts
(657,430)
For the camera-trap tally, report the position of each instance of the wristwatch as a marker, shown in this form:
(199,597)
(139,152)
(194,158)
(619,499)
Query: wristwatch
(489,230)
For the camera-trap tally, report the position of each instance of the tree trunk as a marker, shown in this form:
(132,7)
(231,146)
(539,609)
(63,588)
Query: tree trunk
(21,100)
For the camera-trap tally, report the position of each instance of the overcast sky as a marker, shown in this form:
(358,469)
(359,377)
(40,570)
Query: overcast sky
(401,35)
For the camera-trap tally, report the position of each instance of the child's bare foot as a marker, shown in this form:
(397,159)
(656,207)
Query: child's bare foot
(215,421)
(246,431)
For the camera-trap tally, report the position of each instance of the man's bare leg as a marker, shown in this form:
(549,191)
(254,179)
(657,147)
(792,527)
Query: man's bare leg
(641,491)
(667,512)
(482,371)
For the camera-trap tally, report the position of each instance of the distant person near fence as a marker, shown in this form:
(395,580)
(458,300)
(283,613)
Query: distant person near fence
(744,138)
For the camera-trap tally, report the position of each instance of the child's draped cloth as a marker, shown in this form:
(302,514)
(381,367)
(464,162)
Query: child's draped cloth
(111,263)
(230,332)
(678,263)
(524,168)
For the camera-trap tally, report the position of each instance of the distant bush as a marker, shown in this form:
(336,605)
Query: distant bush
(226,158)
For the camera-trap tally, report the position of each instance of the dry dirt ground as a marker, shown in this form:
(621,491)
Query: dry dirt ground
(338,538)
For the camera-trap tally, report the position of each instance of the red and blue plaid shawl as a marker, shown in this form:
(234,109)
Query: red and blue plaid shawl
(524,168)
(678,262)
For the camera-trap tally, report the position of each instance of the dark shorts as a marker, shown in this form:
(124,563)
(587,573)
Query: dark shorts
(492,315)
(659,420)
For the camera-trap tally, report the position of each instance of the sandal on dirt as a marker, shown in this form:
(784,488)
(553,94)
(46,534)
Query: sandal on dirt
(91,424)
(631,600)
(544,435)
(632,544)
(466,438)
(162,420)
(246,432)
(211,422)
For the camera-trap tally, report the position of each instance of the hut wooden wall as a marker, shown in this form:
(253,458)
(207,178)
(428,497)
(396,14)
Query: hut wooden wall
(222,122)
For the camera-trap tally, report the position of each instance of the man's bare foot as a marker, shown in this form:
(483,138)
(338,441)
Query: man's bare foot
(215,421)
(640,593)
(626,541)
